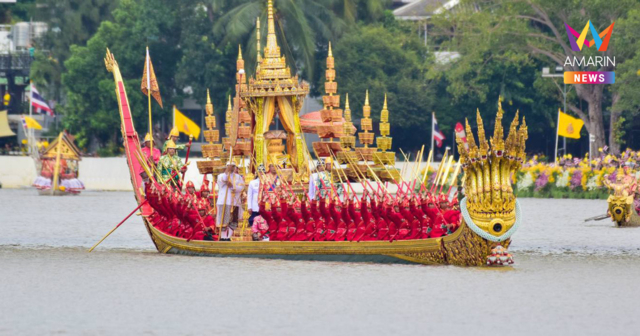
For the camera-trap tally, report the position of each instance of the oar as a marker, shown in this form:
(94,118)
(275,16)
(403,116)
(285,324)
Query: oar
(597,218)
(124,220)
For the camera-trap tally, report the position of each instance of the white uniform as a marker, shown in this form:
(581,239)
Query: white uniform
(252,196)
(228,197)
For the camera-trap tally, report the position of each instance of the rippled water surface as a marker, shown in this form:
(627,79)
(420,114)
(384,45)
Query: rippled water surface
(570,278)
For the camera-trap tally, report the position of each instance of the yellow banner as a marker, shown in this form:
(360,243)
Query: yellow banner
(186,125)
(568,126)
(32,123)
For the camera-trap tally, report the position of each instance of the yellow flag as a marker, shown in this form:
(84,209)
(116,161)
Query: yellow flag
(568,126)
(185,125)
(32,123)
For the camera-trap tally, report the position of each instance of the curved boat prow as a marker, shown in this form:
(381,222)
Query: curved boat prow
(131,140)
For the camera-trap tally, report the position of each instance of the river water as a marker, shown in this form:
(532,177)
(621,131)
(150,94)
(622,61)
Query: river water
(570,278)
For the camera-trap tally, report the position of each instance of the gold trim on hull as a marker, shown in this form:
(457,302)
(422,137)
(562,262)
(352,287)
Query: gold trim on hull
(462,248)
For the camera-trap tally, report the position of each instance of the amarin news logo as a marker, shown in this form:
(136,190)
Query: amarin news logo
(601,41)
(576,45)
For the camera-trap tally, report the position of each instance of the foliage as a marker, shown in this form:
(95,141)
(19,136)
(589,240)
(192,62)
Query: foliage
(392,61)
(71,22)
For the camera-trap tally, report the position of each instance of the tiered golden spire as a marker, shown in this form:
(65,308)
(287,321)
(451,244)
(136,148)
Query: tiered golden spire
(348,140)
(366,124)
(273,77)
(211,135)
(383,142)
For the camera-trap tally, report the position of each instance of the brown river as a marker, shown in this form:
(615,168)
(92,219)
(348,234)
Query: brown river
(570,278)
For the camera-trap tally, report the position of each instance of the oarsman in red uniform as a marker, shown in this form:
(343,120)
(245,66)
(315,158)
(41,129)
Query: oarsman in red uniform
(338,214)
(310,222)
(425,224)
(204,190)
(208,222)
(383,222)
(395,221)
(279,214)
(267,214)
(412,223)
(330,224)
(451,216)
(365,229)
(356,226)
(297,232)
(319,234)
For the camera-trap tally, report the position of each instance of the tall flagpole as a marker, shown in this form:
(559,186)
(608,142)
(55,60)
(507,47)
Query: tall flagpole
(555,158)
(29,130)
(433,119)
(149,96)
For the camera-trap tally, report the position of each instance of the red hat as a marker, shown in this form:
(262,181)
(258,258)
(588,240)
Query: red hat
(205,186)
(190,184)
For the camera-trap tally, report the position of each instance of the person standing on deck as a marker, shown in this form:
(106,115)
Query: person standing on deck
(146,150)
(170,163)
(253,194)
(230,186)
(173,136)
(319,182)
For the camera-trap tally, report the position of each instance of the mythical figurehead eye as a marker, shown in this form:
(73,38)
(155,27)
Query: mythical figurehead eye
(499,153)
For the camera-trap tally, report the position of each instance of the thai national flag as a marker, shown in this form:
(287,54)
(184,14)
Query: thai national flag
(438,136)
(24,122)
(39,104)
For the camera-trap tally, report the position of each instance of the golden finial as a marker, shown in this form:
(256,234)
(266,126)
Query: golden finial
(384,106)
(271,49)
(229,107)
(330,52)
(239,52)
(258,51)
(209,106)
(366,99)
(347,110)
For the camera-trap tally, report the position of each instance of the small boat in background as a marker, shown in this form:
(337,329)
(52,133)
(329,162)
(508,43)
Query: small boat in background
(58,168)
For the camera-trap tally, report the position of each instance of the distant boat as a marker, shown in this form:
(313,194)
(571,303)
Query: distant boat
(58,168)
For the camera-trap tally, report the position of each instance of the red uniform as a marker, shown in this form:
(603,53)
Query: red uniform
(282,221)
(330,224)
(268,216)
(297,233)
(320,223)
(310,223)
(339,220)
(355,228)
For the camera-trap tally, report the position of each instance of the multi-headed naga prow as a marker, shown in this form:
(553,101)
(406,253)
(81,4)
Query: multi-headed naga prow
(110,61)
(489,169)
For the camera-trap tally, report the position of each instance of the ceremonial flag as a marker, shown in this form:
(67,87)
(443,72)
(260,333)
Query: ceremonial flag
(149,81)
(462,135)
(184,124)
(28,122)
(436,134)
(39,103)
(568,126)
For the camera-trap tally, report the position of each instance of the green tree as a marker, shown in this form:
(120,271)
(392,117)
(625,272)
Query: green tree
(387,60)
(302,26)
(91,109)
(71,22)
(536,27)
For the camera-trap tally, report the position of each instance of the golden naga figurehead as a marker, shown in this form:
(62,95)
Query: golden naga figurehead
(621,201)
(488,168)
